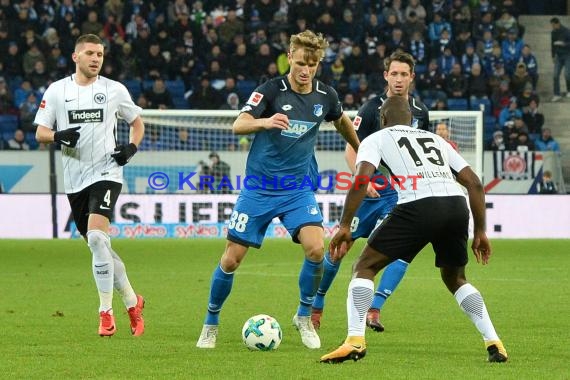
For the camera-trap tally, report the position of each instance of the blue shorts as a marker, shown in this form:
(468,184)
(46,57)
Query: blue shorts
(253,212)
(370,214)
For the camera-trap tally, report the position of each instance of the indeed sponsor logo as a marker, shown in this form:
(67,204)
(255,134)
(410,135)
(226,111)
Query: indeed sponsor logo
(85,116)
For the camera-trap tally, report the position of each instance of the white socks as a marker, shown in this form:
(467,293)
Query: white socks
(121,282)
(360,295)
(103,267)
(472,304)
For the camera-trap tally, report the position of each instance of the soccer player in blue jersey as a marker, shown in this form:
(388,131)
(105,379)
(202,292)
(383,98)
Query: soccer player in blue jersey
(285,114)
(382,197)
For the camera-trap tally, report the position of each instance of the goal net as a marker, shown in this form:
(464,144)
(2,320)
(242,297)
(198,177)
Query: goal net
(175,154)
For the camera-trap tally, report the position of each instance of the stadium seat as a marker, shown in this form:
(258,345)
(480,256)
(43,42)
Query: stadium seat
(134,87)
(457,104)
(8,124)
(245,88)
(180,103)
(477,103)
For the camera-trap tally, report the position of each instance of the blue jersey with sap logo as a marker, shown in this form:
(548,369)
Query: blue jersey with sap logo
(281,160)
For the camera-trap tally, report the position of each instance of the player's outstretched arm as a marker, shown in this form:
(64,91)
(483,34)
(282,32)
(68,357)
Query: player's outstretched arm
(350,158)
(480,246)
(246,123)
(344,126)
(342,240)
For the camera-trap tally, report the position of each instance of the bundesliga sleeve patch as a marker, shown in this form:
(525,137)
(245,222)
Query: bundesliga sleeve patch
(43,104)
(356,122)
(255,99)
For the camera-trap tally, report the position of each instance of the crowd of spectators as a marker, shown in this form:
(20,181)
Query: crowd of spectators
(215,52)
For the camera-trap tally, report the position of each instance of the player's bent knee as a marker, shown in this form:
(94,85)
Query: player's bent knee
(97,239)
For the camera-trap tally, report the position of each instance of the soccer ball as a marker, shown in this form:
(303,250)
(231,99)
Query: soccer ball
(261,333)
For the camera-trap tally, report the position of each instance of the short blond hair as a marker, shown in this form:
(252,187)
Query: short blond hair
(314,44)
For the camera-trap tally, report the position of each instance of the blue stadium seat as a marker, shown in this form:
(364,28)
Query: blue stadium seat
(177,90)
(9,123)
(489,123)
(457,104)
(477,103)
(134,87)
(180,103)
(245,88)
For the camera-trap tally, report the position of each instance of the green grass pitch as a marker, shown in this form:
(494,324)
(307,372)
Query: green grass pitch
(48,315)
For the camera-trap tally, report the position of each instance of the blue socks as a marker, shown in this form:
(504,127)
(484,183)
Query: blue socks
(330,271)
(309,279)
(220,289)
(391,277)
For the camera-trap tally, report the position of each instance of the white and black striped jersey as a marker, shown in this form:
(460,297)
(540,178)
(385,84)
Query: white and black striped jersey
(95,109)
(421,163)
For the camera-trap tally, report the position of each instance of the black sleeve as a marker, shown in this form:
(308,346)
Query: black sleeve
(335,105)
(369,121)
(260,100)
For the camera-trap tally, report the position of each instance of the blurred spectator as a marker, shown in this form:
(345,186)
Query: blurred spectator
(141,43)
(485,45)
(30,58)
(220,170)
(241,63)
(387,27)
(437,26)
(431,84)
(349,28)
(533,119)
(446,61)
(232,102)
(354,64)
(397,40)
(520,79)
(13,62)
(116,8)
(92,24)
(128,63)
(511,49)
(22,92)
(57,63)
(152,140)
(18,142)
(159,96)
(546,142)
(349,103)
(485,23)
(442,130)
(263,58)
(469,58)
(456,83)
(497,142)
(477,87)
(528,58)
(416,7)
(6,99)
(440,105)
(508,113)
(419,49)
(39,77)
(560,48)
(524,143)
(244,144)
(230,27)
(84,12)
(270,73)
(546,185)
(205,96)
(526,96)
(183,140)
(154,65)
(28,111)
(326,26)
(395,9)
(501,97)
(414,24)
(460,16)
(506,24)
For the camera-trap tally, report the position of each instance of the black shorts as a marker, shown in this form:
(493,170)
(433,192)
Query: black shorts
(441,221)
(98,198)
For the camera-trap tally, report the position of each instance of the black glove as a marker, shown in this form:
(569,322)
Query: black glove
(67,137)
(123,153)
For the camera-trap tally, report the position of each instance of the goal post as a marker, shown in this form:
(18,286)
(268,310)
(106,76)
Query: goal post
(178,144)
